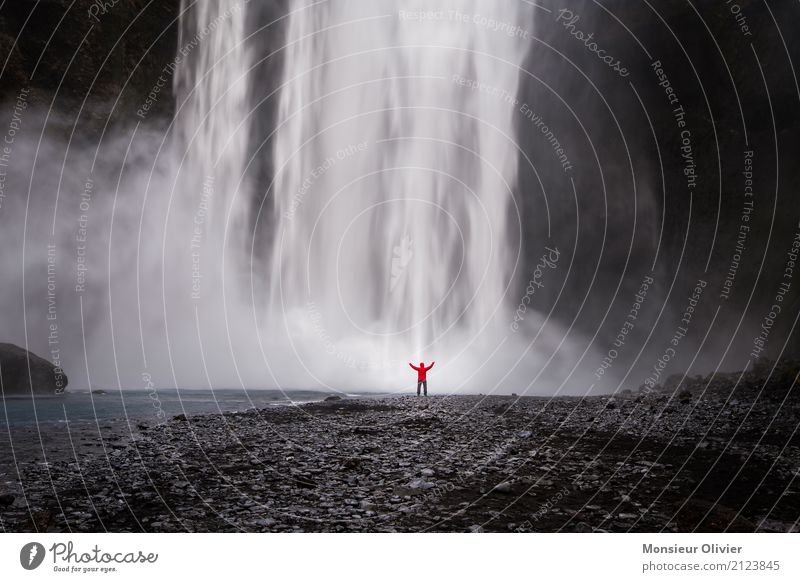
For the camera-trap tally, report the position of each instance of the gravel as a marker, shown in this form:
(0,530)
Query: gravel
(724,460)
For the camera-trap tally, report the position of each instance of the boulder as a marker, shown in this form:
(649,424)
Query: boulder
(44,377)
(333,399)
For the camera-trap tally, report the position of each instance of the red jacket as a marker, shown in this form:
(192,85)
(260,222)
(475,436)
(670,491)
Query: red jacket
(422,370)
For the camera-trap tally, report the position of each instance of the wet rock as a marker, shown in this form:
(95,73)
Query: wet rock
(24,373)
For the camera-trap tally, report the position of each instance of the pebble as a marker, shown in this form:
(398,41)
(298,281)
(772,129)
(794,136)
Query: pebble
(309,469)
(504,487)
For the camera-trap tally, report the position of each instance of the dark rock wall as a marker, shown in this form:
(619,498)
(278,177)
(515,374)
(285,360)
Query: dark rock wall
(69,52)
(730,85)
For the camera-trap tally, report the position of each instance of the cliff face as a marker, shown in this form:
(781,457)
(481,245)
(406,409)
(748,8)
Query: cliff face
(89,60)
(660,156)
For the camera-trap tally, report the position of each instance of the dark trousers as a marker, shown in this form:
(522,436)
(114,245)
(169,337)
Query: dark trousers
(424,384)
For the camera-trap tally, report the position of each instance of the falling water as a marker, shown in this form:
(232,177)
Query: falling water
(394,175)
(212,87)
(387,229)
(367,221)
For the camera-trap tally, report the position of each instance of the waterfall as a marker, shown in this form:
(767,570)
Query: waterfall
(321,224)
(212,89)
(386,229)
(394,163)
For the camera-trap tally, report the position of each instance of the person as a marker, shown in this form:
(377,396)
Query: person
(422,379)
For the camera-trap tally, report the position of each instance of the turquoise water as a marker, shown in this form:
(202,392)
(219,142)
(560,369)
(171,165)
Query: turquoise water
(148,406)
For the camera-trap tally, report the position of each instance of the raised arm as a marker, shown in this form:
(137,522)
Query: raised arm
(431,366)
(413,366)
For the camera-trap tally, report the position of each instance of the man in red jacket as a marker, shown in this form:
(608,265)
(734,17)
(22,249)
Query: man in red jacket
(421,375)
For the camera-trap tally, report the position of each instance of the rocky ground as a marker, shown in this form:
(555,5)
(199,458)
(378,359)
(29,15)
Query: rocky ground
(697,456)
